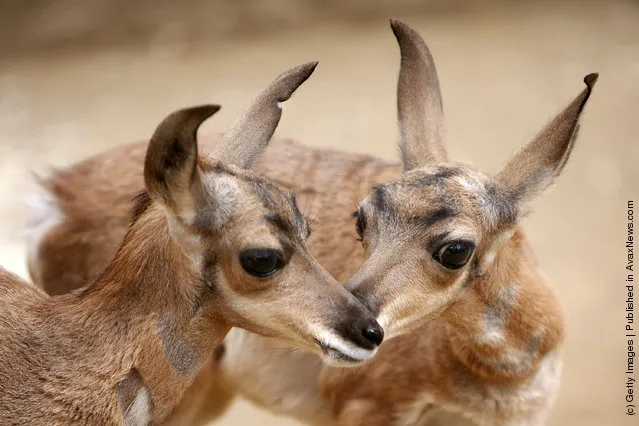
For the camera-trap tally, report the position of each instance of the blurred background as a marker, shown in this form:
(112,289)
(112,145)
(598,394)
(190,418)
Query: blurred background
(78,77)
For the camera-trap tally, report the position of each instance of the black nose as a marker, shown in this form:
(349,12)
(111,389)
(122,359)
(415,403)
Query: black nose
(364,332)
(374,334)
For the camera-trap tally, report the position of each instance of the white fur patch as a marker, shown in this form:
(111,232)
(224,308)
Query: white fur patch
(276,376)
(491,253)
(138,413)
(479,189)
(521,360)
(43,214)
(224,195)
(492,335)
(470,185)
(495,316)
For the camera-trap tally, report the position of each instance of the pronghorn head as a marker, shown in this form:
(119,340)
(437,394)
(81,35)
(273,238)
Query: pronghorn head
(244,236)
(429,234)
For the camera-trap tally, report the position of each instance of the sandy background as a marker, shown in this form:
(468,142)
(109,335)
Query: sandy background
(79,77)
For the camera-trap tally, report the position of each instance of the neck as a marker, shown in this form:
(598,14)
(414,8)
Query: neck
(509,320)
(158,319)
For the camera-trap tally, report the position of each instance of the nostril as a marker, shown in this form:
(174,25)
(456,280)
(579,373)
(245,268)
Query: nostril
(374,334)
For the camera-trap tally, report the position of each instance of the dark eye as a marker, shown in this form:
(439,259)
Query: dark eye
(360,224)
(454,255)
(261,262)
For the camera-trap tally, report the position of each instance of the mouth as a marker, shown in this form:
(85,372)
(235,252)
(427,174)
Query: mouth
(341,354)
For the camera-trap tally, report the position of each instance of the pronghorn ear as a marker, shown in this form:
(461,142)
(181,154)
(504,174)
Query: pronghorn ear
(533,169)
(419,101)
(252,131)
(171,174)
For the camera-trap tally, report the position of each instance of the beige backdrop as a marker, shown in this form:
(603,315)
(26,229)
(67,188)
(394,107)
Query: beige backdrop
(77,80)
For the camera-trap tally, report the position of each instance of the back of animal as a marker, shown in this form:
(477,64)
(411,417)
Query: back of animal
(97,194)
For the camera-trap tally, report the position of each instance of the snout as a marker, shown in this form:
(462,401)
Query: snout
(354,338)
(343,330)
(366,333)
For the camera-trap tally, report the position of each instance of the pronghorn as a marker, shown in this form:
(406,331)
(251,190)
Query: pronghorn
(210,246)
(474,326)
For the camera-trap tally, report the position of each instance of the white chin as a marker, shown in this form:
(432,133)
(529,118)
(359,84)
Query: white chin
(335,350)
(337,358)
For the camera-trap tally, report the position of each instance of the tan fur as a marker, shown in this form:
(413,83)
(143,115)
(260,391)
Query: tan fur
(124,349)
(207,398)
(483,340)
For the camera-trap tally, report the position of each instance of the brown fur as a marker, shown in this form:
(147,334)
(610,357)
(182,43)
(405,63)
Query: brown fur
(72,353)
(207,398)
(125,348)
(442,357)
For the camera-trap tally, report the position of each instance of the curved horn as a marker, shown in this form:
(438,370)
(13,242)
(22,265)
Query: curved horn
(252,131)
(419,102)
